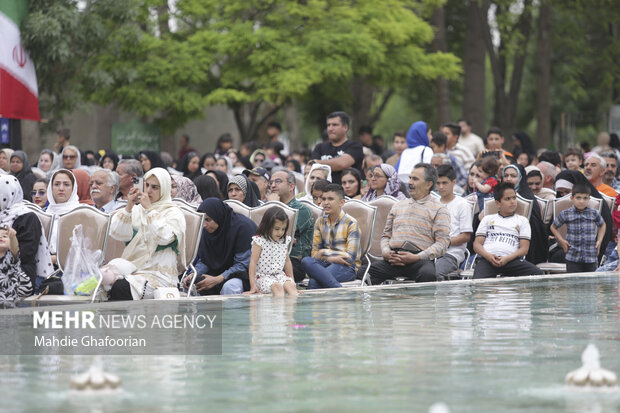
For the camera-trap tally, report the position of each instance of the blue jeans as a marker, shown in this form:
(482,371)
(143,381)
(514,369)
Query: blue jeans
(230,287)
(325,275)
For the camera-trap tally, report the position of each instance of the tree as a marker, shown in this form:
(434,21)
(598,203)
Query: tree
(474,68)
(514,28)
(543,75)
(246,54)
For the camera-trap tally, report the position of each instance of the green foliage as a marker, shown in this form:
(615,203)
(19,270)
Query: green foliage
(233,53)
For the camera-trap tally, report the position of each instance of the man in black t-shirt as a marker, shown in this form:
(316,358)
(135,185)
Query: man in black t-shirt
(339,152)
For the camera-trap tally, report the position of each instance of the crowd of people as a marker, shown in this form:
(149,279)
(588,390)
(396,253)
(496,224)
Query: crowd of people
(440,181)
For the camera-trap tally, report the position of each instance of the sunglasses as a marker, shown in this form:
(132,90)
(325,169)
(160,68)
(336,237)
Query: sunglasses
(40,192)
(69,157)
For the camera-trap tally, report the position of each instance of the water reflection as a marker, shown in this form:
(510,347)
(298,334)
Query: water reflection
(512,342)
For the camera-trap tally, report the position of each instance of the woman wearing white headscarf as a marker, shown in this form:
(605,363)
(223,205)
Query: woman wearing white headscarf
(5,156)
(33,249)
(155,229)
(47,164)
(62,197)
(317,171)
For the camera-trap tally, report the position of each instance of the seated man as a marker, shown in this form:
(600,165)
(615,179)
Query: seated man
(336,245)
(594,169)
(261,177)
(461,217)
(503,239)
(104,185)
(283,189)
(416,232)
(128,170)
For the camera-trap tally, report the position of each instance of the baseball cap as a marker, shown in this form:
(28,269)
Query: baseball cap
(258,171)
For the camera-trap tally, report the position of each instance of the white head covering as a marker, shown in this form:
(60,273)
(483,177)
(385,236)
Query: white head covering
(78,160)
(55,160)
(55,208)
(164,205)
(8,153)
(12,207)
(562,183)
(315,166)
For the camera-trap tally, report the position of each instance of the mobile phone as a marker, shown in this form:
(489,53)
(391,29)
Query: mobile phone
(138,183)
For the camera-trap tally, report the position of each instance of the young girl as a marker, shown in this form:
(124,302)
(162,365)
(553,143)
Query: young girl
(270,266)
(486,171)
(14,283)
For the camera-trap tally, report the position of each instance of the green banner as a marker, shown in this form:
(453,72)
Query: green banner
(134,136)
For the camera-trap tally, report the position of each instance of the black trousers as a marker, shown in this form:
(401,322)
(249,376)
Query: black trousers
(515,268)
(580,266)
(120,291)
(421,271)
(298,271)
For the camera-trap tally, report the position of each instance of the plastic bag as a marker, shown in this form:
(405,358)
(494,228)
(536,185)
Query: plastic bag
(81,272)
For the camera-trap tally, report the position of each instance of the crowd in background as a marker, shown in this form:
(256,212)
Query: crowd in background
(455,162)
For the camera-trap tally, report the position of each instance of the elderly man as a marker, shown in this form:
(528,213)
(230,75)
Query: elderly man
(416,232)
(594,169)
(611,170)
(128,170)
(283,190)
(104,185)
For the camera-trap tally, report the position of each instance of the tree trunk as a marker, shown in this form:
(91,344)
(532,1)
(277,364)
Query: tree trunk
(292,125)
(474,62)
(248,121)
(163,13)
(543,76)
(439,45)
(363,95)
(506,102)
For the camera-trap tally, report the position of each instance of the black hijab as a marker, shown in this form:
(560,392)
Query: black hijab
(207,187)
(222,180)
(576,178)
(185,166)
(113,157)
(249,188)
(156,161)
(539,245)
(233,236)
(25,177)
(526,144)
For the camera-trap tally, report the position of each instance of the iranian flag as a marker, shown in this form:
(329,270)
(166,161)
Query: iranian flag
(19,97)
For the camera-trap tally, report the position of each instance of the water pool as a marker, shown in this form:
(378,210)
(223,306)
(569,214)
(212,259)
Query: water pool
(492,346)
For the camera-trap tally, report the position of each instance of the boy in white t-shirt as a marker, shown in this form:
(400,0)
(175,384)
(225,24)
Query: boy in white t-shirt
(503,239)
(461,217)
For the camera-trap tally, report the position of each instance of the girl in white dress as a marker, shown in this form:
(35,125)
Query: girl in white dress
(270,266)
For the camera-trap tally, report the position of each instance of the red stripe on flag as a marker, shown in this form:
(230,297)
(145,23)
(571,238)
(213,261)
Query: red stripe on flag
(16,100)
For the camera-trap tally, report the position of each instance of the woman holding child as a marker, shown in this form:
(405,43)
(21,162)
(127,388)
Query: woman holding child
(154,228)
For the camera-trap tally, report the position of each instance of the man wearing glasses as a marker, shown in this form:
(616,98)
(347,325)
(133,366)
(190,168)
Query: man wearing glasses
(282,187)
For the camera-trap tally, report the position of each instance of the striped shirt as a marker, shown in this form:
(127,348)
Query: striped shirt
(341,238)
(425,223)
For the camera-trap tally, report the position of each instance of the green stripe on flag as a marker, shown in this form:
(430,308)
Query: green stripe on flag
(15,10)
